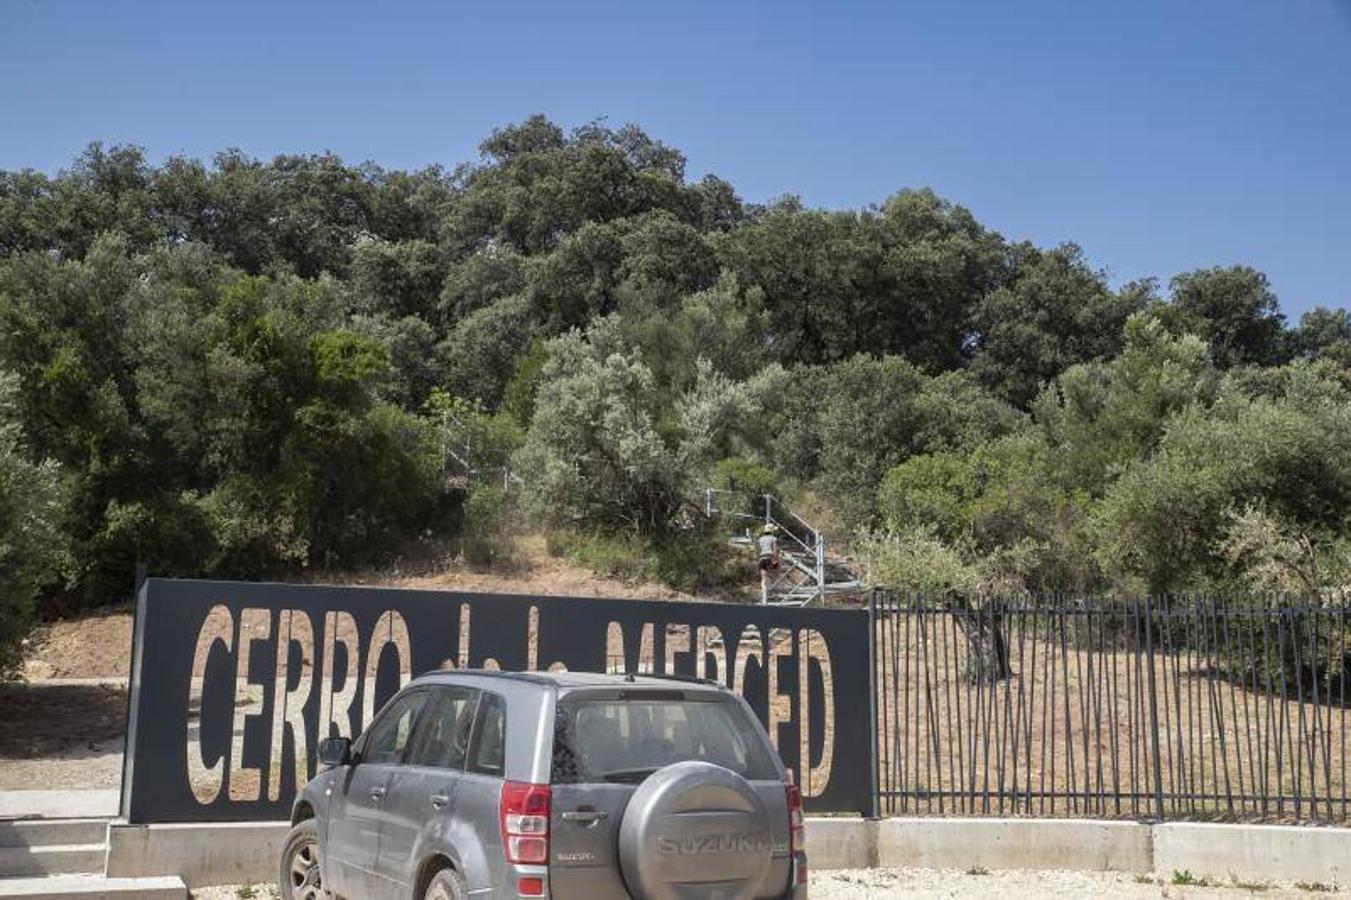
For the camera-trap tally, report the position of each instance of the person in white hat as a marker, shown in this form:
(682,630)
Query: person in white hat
(768,545)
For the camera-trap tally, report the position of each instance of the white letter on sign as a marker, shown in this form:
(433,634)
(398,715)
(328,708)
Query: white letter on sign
(254,625)
(206,781)
(288,707)
(391,629)
(615,661)
(335,706)
(780,707)
(812,646)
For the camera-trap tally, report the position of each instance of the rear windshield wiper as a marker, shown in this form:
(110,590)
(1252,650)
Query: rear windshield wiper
(628,776)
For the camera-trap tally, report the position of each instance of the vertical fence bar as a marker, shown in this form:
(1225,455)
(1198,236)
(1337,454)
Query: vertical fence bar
(1282,731)
(1113,704)
(1002,662)
(955,679)
(941,664)
(1031,703)
(1209,788)
(1270,718)
(897,763)
(1311,741)
(1139,757)
(1153,710)
(1232,678)
(874,789)
(1047,714)
(1135,718)
(932,760)
(1164,635)
(1321,721)
(1016,745)
(1250,698)
(1182,686)
(1344,677)
(1297,736)
(1072,789)
(1217,705)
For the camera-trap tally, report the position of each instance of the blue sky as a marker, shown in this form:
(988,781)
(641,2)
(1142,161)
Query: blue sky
(1161,136)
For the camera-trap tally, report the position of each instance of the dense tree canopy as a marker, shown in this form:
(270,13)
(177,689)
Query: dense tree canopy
(246,366)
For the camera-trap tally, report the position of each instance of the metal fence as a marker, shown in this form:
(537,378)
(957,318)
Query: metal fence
(1153,708)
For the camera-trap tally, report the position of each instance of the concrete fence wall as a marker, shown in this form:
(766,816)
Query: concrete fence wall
(1251,852)
(204,854)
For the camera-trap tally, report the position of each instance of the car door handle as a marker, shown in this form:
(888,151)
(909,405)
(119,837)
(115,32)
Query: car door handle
(586,817)
(377,794)
(439,801)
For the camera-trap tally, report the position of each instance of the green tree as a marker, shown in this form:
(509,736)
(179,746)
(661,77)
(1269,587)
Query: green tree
(606,449)
(1234,310)
(594,454)
(480,353)
(1164,519)
(31,538)
(1101,416)
(537,185)
(899,280)
(1324,334)
(1056,313)
(1001,507)
(399,279)
(874,414)
(481,279)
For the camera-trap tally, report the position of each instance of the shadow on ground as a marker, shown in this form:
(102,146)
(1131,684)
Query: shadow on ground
(43,720)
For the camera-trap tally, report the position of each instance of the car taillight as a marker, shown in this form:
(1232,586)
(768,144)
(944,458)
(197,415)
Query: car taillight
(797,828)
(524,818)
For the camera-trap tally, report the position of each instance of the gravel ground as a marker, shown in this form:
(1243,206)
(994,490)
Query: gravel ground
(857,884)
(1013,885)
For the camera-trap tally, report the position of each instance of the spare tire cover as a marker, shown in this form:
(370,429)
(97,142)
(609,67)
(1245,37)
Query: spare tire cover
(694,829)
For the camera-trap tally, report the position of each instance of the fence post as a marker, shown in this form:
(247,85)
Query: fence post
(874,789)
(1153,707)
(821,567)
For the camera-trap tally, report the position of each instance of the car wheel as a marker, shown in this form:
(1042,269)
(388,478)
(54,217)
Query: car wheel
(446,885)
(300,876)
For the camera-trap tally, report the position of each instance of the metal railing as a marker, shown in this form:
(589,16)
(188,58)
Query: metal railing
(1207,708)
(802,576)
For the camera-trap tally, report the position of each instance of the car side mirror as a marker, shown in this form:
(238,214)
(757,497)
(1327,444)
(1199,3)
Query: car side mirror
(335,751)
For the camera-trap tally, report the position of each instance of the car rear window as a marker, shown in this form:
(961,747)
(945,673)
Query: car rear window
(623,740)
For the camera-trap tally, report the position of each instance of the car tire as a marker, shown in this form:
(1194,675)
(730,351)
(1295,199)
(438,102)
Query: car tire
(299,878)
(446,885)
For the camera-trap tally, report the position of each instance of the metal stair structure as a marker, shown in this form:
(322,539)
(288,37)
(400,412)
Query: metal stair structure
(461,462)
(806,574)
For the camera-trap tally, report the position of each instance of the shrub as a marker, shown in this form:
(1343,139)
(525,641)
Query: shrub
(489,520)
(930,489)
(626,557)
(694,561)
(688,560)
(917,561)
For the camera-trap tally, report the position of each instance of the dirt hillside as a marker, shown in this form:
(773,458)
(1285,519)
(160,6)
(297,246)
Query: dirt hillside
(98,645)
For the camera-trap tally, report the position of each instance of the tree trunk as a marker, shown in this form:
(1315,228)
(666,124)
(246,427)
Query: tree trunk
(987,659)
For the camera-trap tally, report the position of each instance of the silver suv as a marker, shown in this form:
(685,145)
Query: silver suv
(568,785)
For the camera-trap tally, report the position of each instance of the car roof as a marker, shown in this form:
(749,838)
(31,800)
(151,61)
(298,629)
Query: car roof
(568,680)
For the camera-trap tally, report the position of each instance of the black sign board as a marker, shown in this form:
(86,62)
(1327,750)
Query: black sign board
(233,684)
